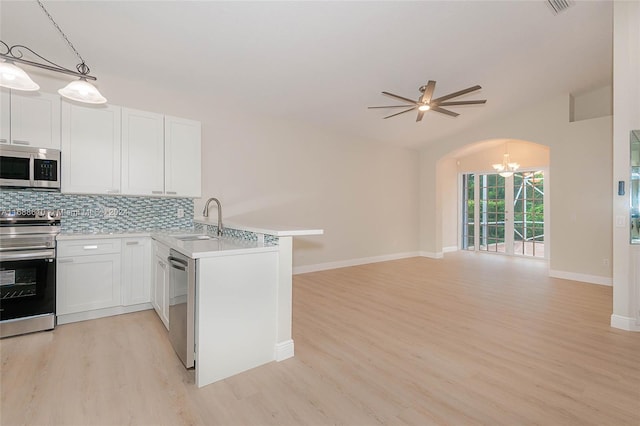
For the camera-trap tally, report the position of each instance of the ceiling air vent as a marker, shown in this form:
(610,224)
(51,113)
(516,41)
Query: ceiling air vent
(559,5)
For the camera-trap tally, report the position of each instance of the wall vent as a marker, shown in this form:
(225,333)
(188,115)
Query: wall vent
(559,5)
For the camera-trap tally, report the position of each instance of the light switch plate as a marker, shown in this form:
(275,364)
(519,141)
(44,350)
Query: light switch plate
(620,222)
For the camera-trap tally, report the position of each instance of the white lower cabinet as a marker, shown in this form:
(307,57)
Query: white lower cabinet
(102,277)
(88,282)
(160,282)
(136,271)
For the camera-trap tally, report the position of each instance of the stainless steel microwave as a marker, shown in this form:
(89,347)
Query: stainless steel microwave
(28,167)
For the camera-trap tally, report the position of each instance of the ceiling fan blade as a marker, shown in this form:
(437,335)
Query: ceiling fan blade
(401,112)
(411,101)
(390,106)
(444,111)
(462,103)
(420,115)
(456,94)
(428,92)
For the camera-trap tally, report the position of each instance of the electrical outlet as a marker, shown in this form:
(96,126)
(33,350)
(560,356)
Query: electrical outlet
(605,262)
(180,213)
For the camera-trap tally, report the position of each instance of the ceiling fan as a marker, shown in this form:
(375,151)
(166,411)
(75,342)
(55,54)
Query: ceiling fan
(426,103)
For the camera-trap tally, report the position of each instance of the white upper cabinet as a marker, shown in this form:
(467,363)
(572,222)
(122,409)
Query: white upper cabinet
(90,149)
(30,119)
(182,157)
(5,116)
(142,152)
(107,149)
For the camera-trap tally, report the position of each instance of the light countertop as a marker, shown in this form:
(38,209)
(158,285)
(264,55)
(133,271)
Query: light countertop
(263,228)
(216,246)
(101,235)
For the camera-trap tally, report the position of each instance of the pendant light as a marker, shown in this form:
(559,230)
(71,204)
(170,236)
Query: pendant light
(14,77)
(82,91)
(507,167)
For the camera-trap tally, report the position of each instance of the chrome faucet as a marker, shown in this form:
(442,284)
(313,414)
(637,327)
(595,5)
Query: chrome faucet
(205,213)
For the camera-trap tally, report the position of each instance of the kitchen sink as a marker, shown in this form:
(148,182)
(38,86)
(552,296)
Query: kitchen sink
(194,237)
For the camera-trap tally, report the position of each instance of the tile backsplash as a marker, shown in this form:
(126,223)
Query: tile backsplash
(101,213)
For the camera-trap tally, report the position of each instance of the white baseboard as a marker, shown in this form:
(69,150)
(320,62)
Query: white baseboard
(449,249)
(284,350)
(351,262)
(591,279)
(432,255)
(101,313)
(624,323)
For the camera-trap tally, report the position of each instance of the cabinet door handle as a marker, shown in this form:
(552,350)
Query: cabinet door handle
(162,264)
(172,193)
(3,141)
(113,191)
(132,243)
(65,260)
(19,142)
(90,247)
(156,192)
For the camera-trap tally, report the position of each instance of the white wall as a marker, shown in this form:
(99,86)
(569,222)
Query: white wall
(626,109)
(580,176)
(448,171)
(528,155)
(592,104)
(365,196)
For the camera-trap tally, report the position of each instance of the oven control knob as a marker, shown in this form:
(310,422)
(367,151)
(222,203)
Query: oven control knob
(54,214)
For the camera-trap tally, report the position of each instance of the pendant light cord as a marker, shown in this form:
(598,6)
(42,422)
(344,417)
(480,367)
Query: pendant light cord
(82,66)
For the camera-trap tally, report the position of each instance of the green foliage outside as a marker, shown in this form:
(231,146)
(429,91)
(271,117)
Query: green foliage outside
(528,213)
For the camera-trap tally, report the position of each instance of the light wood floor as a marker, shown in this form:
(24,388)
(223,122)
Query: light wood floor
(470,339)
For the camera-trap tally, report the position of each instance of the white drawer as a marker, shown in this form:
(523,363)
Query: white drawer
(88,247)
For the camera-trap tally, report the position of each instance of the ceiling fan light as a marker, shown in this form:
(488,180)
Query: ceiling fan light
(82,91)
(13,77)
(498,167)
(424,108)
(506,174)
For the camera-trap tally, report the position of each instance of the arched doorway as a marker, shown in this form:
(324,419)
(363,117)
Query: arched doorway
(500,213)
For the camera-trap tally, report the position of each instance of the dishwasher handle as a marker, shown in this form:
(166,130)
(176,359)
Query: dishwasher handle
(177,263)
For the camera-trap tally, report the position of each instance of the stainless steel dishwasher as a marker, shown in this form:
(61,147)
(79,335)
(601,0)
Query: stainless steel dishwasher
(182,288)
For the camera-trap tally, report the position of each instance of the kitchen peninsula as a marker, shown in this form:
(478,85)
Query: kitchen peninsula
(269,237)
(242,282)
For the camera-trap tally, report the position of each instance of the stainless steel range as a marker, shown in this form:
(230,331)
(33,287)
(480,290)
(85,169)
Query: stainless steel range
(27,270)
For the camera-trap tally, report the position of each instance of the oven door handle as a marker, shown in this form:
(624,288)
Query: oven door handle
(39,247)
(32,174)
(31,255)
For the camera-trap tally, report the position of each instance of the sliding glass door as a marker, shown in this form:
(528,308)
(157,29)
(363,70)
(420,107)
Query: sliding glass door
(528,209)
(504,214)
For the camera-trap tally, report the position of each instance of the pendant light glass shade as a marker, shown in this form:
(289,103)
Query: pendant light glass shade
(15,78)
(82,91)
(507,167)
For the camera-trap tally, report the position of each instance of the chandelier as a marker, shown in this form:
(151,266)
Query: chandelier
(14,77)
(507,168)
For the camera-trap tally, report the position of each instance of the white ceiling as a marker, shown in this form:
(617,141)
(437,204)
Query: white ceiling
(325,62)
